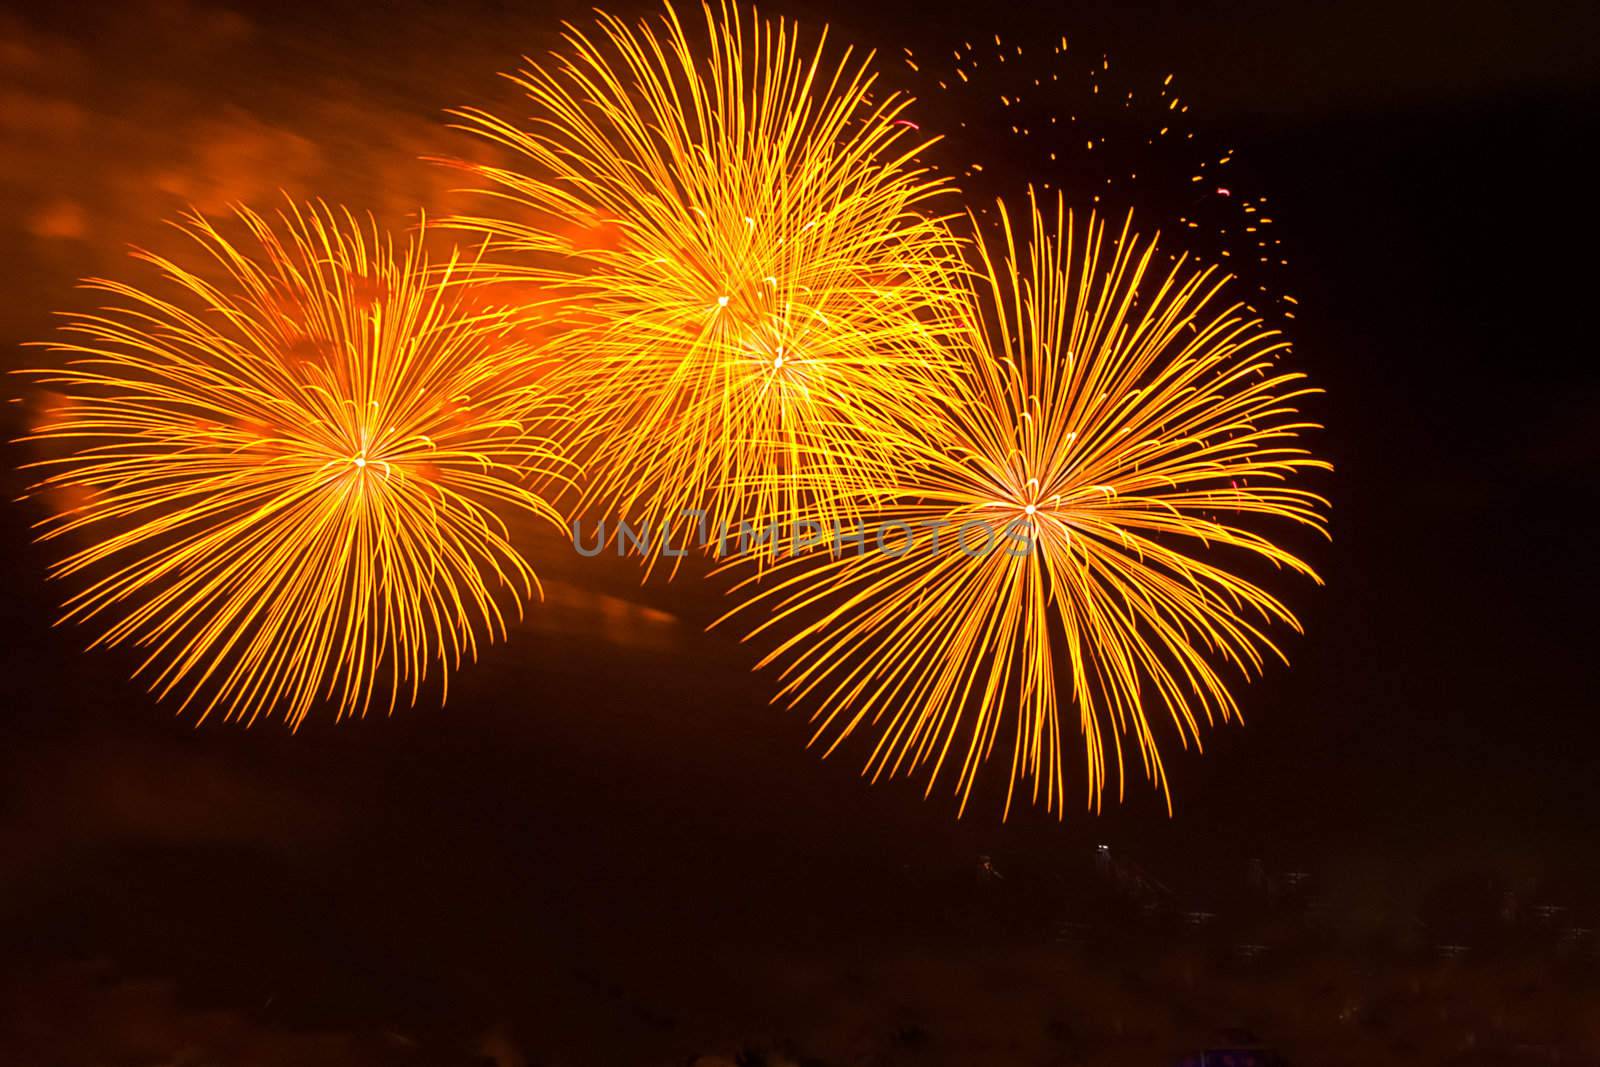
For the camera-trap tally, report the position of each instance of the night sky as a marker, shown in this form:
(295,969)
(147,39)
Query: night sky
(607,819)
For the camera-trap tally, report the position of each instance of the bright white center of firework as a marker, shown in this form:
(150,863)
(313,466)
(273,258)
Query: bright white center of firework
(722,301)
(777,362)
(1030,509)
(360,461)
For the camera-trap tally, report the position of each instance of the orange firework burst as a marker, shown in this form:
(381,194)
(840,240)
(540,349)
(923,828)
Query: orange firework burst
(736,242)
(293,476)
(1096,479)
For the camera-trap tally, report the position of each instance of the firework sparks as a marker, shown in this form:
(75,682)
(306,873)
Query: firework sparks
(752,289)
(1075,121)
(291,478)
(1129,429)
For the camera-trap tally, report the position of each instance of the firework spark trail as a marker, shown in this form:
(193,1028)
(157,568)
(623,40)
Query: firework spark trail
(291,477)
(1135,429)
(739,254)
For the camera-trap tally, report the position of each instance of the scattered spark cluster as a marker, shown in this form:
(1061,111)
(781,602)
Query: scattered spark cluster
(1072,121)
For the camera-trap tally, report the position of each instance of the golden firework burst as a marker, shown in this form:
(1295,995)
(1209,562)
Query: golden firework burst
(289,478)
(733,240)
(1073,537)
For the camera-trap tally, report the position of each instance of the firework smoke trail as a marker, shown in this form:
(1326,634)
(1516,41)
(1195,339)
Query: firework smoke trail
(1134,429)
(290,476)
(752,291)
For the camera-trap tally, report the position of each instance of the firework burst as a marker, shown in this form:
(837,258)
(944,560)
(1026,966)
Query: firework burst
(290,477)
(1115,438)
(734,242)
